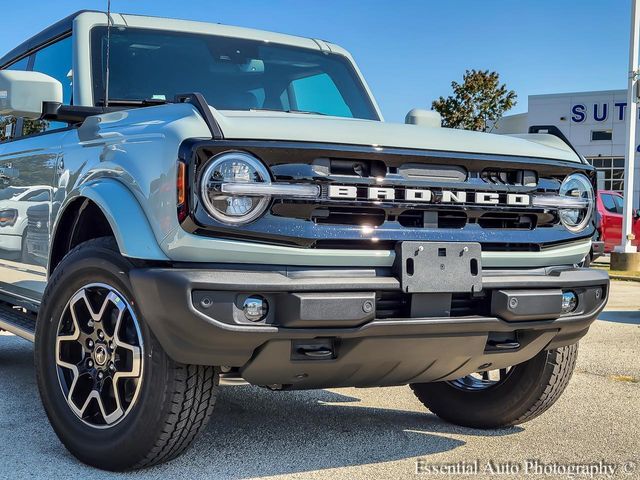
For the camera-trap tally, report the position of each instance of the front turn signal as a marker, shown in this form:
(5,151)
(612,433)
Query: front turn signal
(181,191)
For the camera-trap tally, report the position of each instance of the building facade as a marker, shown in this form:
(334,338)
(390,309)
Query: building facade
(595,124)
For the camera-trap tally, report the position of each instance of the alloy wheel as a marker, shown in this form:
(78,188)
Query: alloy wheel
(99,353)
(482,380)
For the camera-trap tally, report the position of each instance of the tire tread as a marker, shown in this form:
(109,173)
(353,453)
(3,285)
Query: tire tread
(192,402)
(555,374)
(563,362)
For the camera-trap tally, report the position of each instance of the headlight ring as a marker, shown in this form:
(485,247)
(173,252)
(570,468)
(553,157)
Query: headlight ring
(234,168)
(577,187)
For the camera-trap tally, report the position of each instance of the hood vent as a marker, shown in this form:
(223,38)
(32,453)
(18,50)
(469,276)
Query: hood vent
(522,178)
(358,168)
(432,173)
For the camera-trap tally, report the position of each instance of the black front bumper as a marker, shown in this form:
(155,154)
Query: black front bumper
(322,332)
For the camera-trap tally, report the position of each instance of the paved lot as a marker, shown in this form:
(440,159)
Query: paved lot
(364,433)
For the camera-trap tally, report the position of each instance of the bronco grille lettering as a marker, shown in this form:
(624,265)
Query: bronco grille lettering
(416,195)
(338,191)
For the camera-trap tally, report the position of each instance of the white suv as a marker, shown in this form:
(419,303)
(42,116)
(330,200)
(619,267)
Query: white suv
(14,202)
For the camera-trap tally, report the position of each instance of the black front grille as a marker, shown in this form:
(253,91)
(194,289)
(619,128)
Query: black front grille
(38,219)
(454,197)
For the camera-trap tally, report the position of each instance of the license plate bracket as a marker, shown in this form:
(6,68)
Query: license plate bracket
(439,267)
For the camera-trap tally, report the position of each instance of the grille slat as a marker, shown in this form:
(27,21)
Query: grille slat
(353,216)
(392,305)
(465,305)
(375,217)
(398,305)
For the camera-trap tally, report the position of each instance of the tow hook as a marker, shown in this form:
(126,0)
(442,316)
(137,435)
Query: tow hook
(494,344)
(318,349)
(316,352)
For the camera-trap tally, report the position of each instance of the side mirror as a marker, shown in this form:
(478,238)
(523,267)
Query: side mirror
(423,118)
(23,93)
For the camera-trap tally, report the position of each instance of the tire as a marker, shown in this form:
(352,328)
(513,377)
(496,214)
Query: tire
(528,390)
(163,409)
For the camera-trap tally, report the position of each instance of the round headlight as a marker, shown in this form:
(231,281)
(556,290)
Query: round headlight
(577,187)
(234,168)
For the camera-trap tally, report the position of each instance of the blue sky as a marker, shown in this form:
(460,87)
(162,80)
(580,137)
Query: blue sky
(410,50)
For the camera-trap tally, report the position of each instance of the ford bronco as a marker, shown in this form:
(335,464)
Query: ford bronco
(220,205)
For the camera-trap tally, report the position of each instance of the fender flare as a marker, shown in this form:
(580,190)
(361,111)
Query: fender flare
(130,225)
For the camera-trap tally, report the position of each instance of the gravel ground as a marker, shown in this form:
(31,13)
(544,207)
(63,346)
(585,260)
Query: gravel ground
(366,433)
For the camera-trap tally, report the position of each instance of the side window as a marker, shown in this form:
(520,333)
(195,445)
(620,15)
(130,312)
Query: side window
(19,65)
(619,204)
(318,93)
(608,203)
(9,124)
(54,60)
(35,196)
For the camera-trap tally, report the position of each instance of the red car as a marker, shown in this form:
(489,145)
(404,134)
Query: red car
(610,210)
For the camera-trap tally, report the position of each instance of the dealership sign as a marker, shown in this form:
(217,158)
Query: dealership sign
(599,112)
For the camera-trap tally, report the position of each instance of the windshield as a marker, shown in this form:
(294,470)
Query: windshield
(232,73)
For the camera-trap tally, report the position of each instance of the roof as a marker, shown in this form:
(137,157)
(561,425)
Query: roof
(65,25)
(45,36)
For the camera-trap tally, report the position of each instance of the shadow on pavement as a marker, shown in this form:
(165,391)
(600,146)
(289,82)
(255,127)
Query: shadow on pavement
(631,317)
(253,432)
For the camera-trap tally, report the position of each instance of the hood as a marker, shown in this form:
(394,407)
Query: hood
(325,129)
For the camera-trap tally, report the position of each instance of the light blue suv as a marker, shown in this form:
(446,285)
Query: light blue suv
(226,205)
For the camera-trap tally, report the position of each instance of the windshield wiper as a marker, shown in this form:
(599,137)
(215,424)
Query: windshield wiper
(306,112)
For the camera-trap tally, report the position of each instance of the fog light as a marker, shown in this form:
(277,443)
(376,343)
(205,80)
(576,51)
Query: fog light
(569,302)
(255,308)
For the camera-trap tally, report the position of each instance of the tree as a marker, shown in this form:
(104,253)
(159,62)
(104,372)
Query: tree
(8,125)
(478,102)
